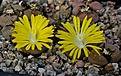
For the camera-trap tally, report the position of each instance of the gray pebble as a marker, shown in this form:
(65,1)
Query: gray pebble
(41,70)
(18,68)
(8,62)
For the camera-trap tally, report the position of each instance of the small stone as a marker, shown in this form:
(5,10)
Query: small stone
(7,32)
(119,64)
(40,74)
(57,7)
(30,56)
(115,66)
(95,5)
(69,72)
(93,15)
(22,72)
(75,70)
(63,74)
(116,55)
(67,66)
(18,68)
(33,73)
(109,67)
(63,56)
(75,10)
(8,62)
(49,67)
(79,64)
(41,63)
(92,72)
(79,73)
(41,70)
(52,58)
(50,73)
(97,59)
(2,64)
(10,70)
(56,65)
(87,64)
(50,1)
(58,71)
(1,58)
(44,56)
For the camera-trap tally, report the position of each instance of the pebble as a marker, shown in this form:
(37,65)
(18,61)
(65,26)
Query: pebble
(41,63)
(79,64)
(41,70)
(97,59)
(75,70)
(1,58)
(92,72)
(116,55)
(52,58)
(115,66)
(63,74)
(66,66)
(50,1)
(63,56)
(56,65)
(49,67)
(18,68)
(58,71)
(109,67)
(79,73)
(87,64)
(8,62)
(95,5)
(50,73)
(69,72)
(30,56)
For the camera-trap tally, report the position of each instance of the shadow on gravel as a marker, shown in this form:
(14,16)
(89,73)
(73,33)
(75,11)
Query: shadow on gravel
(12,74)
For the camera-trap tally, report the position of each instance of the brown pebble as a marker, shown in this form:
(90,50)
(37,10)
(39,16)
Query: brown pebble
(109,67)
(116,55)
(52,5)
(97,59)
(79,64)
(95,5)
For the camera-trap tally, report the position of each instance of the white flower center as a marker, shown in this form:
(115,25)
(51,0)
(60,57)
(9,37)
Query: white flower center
(79,40)
(32,36)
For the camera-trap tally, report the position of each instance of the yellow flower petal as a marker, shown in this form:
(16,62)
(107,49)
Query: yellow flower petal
(75,55)
(33,46)
(69,27)
(78,23)
(39,45)
(46,45)
(79,53)
(87,25)
(20,45)
(28,46)
(68,48)
(75,23)
(83,24)
(72,51)
(33,21)
(86,51)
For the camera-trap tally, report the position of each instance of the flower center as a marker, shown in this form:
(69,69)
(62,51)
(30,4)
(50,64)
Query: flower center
(32,36)
(79,40)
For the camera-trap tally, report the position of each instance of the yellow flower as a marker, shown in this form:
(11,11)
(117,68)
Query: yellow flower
(32,34)
(78,39)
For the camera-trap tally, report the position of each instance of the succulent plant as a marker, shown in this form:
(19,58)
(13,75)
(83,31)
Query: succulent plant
(79,38)
(34,34)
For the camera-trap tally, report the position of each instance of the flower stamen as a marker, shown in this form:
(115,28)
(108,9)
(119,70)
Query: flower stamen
(79,40)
